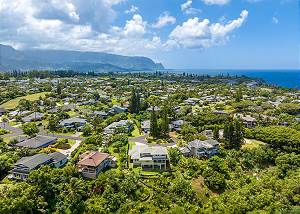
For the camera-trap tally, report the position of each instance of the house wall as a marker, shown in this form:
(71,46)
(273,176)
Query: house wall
(60,163)
(92,172)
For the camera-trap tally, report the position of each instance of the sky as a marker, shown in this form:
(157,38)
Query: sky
(193,34)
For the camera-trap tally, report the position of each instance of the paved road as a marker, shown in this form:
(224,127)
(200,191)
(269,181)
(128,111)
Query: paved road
(142,140)
(17,132)
(68,152)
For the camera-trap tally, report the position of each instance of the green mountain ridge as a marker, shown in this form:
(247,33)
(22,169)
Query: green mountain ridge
(12,59)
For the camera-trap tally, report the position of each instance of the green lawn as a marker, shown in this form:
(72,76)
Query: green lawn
(71,142)
(251,143)
(12,104)
(63,134)
(72,113)
(135,132)
(8,139)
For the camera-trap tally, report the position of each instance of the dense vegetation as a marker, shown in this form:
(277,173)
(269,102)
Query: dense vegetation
(257,169)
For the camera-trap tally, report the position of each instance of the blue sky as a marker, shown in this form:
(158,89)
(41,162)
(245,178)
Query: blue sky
(215,34)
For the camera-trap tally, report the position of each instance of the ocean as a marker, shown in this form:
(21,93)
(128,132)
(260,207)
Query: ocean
(283,78)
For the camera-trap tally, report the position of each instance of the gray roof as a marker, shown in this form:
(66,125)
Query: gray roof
(142,149)
(207,144)
(34,161)
(34,115)
(73,120)
(57,156)
(121,123)
(178,122)
(37,142)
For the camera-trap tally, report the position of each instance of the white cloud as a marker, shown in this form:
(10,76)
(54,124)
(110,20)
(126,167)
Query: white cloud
(164,20)
(195,33)
(133,9)
(217,2)
(135,27)
(72,25)
(275,20)
(188,9)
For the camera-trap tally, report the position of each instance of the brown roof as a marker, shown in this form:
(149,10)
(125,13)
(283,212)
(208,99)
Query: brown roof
(92,158)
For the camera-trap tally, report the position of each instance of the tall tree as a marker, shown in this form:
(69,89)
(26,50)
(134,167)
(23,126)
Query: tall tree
(164,122)
(154,130)
(238,134)
(239,95)
(134,105)
(216,133)
(233,135)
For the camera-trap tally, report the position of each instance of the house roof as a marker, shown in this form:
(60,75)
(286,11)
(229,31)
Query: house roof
(152,150)
(36,142)
(92,158)
(34,161)
(146,124)
(57,156)
(34,115)
(121,123)
(207,144)
(73,120)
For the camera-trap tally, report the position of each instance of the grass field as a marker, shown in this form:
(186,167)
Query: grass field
(14,102)
(135,132)
(251,143)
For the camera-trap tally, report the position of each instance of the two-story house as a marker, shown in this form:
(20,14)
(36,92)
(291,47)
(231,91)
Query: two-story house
(122,126)
(25,165)
(149,157)
(91,163)
(206,148)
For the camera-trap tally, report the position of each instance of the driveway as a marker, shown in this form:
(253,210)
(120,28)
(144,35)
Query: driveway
(142,140)
(68,152)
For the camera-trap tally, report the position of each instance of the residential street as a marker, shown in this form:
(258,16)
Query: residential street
(17,132)
(142,140)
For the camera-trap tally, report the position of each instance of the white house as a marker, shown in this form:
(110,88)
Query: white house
(198,148)
(124,125)
(149,157)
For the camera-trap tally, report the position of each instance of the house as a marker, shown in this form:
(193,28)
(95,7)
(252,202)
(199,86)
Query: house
(191,101)
(248,121)
(37,142)
(25,165)
(33,117)
(123,126)
(252,84)
(149,157)
(208,133)
(221,112)
(68,107)
(91,163)
(58,159)
(74,122)
(146,126)
(101,114)
(155,108)
(53,110)
(176,125)
(18,113)
(206,148)
(117,109)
